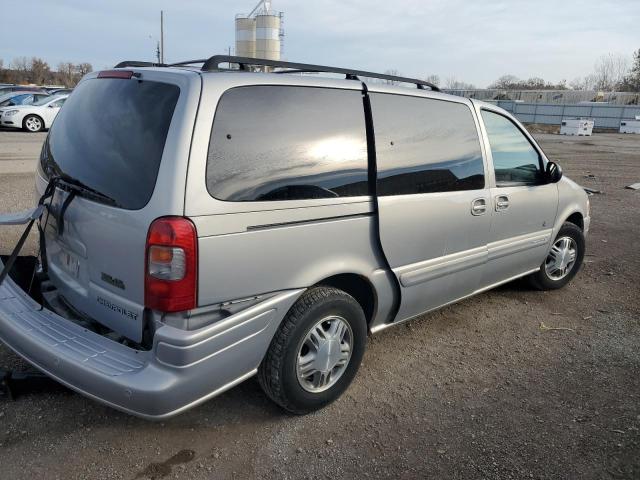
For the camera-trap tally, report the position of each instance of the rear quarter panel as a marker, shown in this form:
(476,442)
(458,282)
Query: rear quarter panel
(256,259)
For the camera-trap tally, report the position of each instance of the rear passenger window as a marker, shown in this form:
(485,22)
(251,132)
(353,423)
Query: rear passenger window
(425,145)
(515,161)
(273,143)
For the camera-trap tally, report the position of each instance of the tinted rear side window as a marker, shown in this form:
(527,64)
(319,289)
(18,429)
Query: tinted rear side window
(273,143)
(425,145)
(110,135)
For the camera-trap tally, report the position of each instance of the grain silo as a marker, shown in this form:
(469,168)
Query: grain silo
(268,36)
(245,36)
(259,34)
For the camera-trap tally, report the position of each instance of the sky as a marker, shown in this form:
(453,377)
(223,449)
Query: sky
(473,41)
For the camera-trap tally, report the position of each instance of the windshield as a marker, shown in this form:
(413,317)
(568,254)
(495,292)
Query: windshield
(43,101)
(17,100)
(110,136)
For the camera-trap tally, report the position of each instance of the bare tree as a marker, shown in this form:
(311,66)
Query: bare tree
(21,64)
(505,82)
(36,70)
(395,73)
(39,71)
(609,71)
(632,80)
(535,83)
(84,68)
(435,79)
(452,83)
(67,74)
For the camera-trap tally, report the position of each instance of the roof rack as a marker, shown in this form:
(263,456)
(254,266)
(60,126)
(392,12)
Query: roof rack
(136,63)
(213,64)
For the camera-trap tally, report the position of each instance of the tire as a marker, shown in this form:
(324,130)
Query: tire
(546,278)
(33,123)
(279,374)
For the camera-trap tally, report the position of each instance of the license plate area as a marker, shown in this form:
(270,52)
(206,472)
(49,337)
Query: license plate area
(70,263)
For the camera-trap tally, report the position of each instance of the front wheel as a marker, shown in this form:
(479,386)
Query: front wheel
(316,352)
(563,260)
(33,123)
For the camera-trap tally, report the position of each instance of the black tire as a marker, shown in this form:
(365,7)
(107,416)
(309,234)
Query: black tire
(32,117)
(541,279)
(277,373)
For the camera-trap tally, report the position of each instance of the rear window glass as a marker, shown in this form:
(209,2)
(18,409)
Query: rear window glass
(271,143)
(110,136)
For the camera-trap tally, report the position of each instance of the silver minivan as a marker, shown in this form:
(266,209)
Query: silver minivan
(203,225)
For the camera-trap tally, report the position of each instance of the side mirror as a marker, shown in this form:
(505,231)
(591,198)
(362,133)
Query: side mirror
(554,172)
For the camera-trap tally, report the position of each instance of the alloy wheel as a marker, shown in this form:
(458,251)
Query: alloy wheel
(324,354)
(561,258)
(33,124)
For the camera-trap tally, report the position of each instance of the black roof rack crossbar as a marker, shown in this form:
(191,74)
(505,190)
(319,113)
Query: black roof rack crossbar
(213,64)
(187,62)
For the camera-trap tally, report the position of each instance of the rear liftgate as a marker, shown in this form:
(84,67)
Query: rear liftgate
(16,383)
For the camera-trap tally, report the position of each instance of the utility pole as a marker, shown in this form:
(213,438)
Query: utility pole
(161,36)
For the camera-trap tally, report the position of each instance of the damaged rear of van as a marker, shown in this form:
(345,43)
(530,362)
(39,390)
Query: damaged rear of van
(119,258)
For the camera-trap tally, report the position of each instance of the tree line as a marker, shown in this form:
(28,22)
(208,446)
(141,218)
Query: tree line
(611,72)
(22,70)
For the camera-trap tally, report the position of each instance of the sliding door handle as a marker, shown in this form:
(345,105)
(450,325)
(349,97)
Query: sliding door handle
(502,203)
(479,206)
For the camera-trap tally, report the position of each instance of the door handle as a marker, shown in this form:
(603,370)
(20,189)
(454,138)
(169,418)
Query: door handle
(479,206)
(502,203)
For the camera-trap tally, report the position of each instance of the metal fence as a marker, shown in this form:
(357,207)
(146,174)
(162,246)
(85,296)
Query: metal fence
(551,96)
(605,116)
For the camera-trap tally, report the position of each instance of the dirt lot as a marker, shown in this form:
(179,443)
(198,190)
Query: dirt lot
(476,390)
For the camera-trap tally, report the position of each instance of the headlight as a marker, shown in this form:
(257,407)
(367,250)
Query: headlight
(10,113)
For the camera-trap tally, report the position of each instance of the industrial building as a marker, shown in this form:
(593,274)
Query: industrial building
(260,34)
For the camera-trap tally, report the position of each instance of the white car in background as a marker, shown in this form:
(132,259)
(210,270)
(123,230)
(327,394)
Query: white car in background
(35,117)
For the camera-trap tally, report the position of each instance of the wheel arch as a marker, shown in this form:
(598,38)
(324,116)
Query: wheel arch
(577,219)
(359,287)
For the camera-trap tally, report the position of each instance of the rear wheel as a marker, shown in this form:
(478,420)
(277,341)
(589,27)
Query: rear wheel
(32,123)
(563,260)
(316,353)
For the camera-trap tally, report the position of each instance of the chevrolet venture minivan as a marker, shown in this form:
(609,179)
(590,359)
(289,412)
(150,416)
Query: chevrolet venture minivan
(201,225)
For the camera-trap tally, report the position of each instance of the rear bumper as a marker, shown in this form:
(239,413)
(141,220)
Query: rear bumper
(183,369)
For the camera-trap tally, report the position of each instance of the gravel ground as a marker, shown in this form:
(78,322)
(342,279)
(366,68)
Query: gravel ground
(476,390)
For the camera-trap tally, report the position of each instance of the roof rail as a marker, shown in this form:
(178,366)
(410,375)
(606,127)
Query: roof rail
(213,64)
(136,63)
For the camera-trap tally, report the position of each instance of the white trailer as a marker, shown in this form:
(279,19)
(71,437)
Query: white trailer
(630,126)
(576,126)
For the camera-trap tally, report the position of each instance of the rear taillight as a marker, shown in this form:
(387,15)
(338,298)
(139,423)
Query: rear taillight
(171,277)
